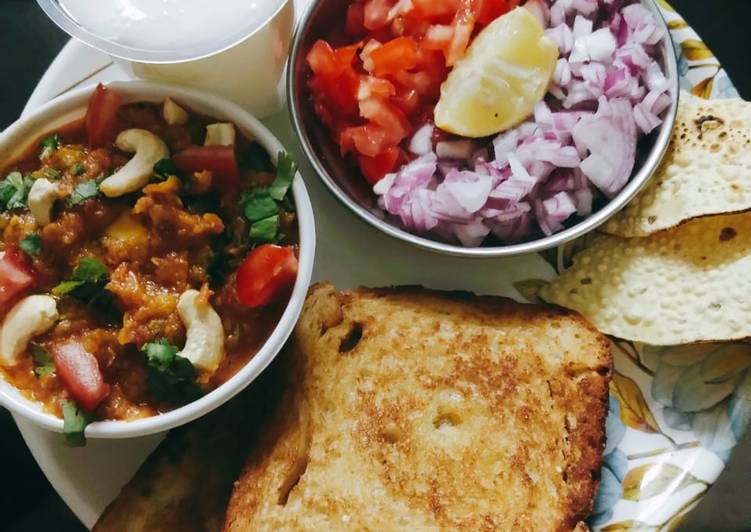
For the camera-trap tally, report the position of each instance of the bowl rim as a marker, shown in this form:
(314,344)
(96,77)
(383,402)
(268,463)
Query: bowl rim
(635,184)
(32,125)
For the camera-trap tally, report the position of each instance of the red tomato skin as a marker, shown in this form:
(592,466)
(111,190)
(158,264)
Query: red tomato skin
(221,161)
(355,19)
(374,168)
(15,278)
(395,56)
(80,374)
(267,275)
(376,14)
(101,116)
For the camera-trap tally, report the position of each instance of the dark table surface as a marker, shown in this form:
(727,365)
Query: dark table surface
(29,43)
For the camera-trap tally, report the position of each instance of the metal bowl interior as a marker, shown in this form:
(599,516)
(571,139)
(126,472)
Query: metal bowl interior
(353,192)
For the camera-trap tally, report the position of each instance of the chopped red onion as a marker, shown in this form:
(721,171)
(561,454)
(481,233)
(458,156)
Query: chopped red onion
(608,90)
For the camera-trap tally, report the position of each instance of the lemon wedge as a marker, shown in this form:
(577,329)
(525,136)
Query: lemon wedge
(504,73)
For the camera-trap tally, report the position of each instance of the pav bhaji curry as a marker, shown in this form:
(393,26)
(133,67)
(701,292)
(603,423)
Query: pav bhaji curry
(147,254)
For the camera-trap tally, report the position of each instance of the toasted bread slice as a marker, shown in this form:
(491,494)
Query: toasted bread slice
(418,410)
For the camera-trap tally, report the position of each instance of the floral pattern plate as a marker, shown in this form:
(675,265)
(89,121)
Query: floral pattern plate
(675,412)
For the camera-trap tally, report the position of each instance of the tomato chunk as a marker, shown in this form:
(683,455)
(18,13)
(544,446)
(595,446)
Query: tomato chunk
(80,374)
(374,168)
(267,275)
(15,277)
(101,116)
(395,56)
(221,161)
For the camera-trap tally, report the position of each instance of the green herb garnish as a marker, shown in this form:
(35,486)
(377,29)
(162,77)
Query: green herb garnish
(83,191)
(31,244)
(49,145)
(43,363)
(78,169)
(266,230)
(87,284)
(75,420)
(165,168)
(171,378)
(258,204)
(14,191)
(285,173)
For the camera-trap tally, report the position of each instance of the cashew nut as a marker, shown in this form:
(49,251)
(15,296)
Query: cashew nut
(31,316)
(222,134)
(174,114)
(42,196)
(148,148)
(204,345)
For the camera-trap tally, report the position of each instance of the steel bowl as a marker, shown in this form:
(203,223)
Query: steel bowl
(353,192)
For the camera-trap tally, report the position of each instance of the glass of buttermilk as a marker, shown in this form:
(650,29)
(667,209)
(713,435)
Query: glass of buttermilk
(234,48)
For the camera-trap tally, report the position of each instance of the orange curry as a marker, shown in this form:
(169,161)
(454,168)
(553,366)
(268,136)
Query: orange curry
(215,217)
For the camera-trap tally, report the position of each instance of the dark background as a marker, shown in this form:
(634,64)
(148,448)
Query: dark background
(29,42)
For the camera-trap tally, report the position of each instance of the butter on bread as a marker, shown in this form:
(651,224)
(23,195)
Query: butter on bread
(410,409)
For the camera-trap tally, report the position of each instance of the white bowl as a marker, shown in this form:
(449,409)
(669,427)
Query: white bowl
(61,111)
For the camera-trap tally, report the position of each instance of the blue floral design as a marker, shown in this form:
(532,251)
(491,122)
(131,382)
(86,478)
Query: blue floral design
(706,389)
(685,84)
(615,466)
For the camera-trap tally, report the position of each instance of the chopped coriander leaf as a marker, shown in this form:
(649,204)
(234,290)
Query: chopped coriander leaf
(258,204)
(83,191)
(49,145)
(265,231)
(165,168)
(78,169)
(90,269)
(43,363)
(31,244)
(75,420)
(171,378)
(256,158)
(87,284)
(285,173)
(14,191)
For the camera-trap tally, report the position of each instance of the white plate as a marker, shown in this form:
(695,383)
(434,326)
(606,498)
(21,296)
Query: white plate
(350,253)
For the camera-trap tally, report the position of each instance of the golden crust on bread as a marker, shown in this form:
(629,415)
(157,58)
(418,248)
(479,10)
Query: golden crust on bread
(184,485)
(419,410)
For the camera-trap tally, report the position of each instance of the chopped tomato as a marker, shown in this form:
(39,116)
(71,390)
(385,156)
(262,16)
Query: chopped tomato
(80,374)
(406,99)
(489,10)
(374,168)
(15,277)
(335,82)
(372,93)
(368,139)
(376,13)
(436,9)
(387,115)
(221,161)
(395,56)
(267,275)
(101,116)
(356,19)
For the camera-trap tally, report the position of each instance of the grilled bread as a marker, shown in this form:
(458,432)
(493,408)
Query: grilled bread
(409,409)
(186,482)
